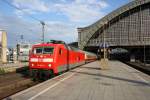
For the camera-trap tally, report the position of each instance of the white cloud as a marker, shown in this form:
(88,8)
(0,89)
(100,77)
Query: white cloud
(93,3)
(81,10)
(31,5)
(15,26)
(75,10)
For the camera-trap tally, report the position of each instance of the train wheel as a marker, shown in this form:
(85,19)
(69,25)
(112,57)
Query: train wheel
(46,74)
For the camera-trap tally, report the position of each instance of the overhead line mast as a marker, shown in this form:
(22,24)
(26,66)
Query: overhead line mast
(43,30)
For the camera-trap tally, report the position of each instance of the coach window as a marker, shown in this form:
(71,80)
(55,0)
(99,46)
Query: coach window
(60,51)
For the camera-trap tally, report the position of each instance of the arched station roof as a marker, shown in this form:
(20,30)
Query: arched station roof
(91,29)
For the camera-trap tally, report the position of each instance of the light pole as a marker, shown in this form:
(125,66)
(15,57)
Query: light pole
(104,61)
(43,27)
(104,41)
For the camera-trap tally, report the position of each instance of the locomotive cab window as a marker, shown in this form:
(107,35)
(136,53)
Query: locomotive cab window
(43,50)
(37,50)
(48,50)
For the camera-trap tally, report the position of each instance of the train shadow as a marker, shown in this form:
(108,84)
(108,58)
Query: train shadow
(114,77)
(94,68)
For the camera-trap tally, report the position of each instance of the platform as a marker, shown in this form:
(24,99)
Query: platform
(88,82)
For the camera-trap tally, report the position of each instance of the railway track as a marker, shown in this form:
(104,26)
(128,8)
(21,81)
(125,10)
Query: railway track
(12,83)
(138,66)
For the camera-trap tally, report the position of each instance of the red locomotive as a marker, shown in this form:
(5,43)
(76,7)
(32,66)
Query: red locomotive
(53,57)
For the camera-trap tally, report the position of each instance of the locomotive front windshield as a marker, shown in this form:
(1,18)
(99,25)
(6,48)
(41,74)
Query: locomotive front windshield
(43,50)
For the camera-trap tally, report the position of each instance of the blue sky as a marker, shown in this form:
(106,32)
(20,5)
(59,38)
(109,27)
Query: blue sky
(62,17)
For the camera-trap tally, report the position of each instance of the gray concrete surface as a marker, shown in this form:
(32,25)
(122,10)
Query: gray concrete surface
(88,82)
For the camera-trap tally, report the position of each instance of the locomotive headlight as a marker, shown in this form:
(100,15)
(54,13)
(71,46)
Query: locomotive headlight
(49,65)
(34,60)
(32,64)
(47,60)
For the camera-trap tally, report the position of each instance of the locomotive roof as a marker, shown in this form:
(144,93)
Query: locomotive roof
(58,44)
(46,44)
